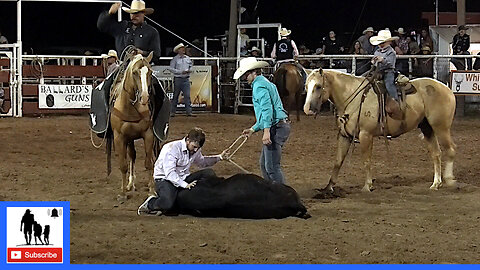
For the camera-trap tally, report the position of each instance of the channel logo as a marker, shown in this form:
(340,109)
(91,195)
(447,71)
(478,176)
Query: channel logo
(16,255)
(39,238)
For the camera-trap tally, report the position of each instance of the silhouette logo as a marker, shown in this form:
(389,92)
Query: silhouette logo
(39,238)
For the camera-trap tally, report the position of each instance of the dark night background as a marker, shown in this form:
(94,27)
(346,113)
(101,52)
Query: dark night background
(51,25)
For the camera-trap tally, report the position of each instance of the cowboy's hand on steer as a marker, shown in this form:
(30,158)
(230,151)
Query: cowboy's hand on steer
(114,8)
(266,137)
(247,132)
(191,185)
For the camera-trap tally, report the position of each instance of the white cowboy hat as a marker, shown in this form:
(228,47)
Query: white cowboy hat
(400,31)
(383,36)
(111,53)
(138,6)
(255,49)
(369,29)
(284,32)
(181,45)
(247,64)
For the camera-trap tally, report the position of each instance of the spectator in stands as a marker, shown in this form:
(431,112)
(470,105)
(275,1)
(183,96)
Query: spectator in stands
(425,39)
(460,46)
(303,50)
(401,48)
(244,42)
(110,61)
(412,45)
(331,45)
(425,65)
(3,40)
(181,67)
(135,32)
(362,65)
(476,66)
(364,40)
(255,52)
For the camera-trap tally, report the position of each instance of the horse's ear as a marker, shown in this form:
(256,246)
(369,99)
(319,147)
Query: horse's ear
(320,70)
(149,57)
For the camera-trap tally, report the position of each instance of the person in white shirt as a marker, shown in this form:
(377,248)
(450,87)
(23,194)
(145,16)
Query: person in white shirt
(172,171)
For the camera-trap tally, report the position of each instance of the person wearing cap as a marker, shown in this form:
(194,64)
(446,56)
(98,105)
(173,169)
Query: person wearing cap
(110,61)
(181,67)
(368,48)
(285,48)
(172,171)
(270,116)
(135,32)
(460,46)
(385,58)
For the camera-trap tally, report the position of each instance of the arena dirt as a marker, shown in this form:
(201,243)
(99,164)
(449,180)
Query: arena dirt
(401,221)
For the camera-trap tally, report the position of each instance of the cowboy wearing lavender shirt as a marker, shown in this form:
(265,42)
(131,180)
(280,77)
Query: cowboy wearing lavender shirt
(181,67)
(172,171)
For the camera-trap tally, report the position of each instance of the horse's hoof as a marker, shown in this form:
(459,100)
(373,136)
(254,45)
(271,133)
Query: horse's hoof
(435,186)
(121,198)
(131,187)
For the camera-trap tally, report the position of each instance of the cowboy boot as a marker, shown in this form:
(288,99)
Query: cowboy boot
(393,109)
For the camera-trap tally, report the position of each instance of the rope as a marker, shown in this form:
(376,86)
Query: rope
(229,159)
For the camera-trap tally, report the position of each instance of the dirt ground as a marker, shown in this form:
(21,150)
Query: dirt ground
(401,221)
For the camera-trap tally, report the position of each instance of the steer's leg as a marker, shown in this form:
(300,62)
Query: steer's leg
(366,145)
(343,144)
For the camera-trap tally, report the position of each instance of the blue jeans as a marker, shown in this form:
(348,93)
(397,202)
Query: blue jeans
(389,79)
(183,85)
(272,154)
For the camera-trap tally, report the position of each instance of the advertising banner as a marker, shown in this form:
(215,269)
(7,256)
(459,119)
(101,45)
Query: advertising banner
(54,96)
(200,86)
(465,82)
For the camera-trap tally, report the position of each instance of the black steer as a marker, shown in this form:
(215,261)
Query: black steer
(240,196)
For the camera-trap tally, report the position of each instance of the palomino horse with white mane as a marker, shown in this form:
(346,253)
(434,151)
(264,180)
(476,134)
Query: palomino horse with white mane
(431,109)
(131,118)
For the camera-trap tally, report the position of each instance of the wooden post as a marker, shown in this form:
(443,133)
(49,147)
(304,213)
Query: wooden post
(460,112)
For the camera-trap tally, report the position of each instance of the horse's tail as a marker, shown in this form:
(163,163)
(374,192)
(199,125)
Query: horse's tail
(281,81)
(109,153)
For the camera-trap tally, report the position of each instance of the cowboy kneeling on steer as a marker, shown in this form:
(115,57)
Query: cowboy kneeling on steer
(384,58)
(172,171)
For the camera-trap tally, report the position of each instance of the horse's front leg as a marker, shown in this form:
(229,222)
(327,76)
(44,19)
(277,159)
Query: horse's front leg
(121,149)
(343,144)
(149,139)
(132,154)
(366,145)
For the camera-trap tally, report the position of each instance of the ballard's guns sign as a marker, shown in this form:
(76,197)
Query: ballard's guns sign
(465,82)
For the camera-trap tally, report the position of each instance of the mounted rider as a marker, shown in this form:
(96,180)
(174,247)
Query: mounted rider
(285,50)
(384,59)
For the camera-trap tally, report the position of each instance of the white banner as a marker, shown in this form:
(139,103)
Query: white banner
(54,96)
(465,82)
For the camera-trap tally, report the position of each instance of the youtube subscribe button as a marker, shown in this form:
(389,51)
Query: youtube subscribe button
(34,255)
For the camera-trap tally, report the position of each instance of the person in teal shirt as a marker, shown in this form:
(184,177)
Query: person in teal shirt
(270,116)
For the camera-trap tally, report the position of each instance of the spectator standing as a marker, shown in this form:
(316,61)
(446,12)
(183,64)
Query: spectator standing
(244,42)
(181,67)
(255,52)
(362,65)
(460,46)
(401,49)
(364,40)
(426,39)
(110,61)
(425,65)
(331,45)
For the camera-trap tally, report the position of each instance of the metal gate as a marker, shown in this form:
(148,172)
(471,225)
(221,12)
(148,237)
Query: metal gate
(10,80)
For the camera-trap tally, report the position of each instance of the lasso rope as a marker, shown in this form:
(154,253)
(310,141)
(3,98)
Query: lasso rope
(229,159)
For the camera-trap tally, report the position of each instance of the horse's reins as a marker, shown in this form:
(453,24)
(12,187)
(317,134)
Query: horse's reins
(229,159)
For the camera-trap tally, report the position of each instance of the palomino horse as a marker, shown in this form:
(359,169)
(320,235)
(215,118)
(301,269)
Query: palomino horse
(431,109)
(131,118)
(289,82)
